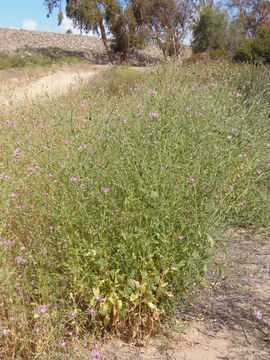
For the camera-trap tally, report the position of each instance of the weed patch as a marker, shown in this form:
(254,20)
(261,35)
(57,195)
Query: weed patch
(111,198)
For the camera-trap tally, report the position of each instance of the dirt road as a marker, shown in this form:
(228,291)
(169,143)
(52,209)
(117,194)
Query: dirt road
(49,85)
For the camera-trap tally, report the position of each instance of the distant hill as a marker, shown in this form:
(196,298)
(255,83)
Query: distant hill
(88,47)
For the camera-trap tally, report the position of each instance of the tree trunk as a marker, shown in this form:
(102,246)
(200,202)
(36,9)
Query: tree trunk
(104,39)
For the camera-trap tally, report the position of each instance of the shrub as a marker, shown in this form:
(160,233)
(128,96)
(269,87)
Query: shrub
(112,198)
(257,50)
(219,54)
(244,51)
(197,57)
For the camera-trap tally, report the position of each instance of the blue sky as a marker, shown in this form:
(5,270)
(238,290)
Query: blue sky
(31,15)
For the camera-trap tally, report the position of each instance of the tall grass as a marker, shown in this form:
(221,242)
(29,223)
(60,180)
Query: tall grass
(111,198)
(32,58)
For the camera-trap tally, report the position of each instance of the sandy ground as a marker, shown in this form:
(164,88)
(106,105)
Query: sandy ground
(29,86)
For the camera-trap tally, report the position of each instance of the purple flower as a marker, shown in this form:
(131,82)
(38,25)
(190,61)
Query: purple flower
(73,314)
(43,309)
(124,120)
(32,169)
(82,147)
(193,181)
(259,171)
(96,353)
(258,314)
(63,342)
(17,153)
(12,195)
(4,177)
(74,179)
(98,299)
(153,92)
(83,106)
(19,260)
(163,169)
(92,312)
(105,190)
(154,115)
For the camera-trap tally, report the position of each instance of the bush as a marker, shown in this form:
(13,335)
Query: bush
(197,57)
(257,50)
(219,54)
(112,198)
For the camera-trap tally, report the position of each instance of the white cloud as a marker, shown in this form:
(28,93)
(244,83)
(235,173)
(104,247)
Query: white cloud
(29,24)
(67,24)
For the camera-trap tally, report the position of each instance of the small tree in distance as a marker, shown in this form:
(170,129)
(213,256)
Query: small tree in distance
(105,17)
(210,32)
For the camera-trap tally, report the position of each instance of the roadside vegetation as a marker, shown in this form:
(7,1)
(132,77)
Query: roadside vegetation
(113,200)
(33,58)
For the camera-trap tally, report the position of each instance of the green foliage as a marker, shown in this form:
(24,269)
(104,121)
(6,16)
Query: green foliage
(256,50)
(210,32)
(22,58)
(111,199)
(29,57)
(219,54)
(244,51)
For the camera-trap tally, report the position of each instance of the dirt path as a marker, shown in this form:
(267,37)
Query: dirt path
(49,85)
(222,320)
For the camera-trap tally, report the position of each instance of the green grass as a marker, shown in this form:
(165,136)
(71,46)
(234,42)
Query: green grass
(111,198)
(31,58)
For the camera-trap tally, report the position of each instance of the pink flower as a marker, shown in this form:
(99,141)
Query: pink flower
(156,315)
(18,153)
(193,181)
(238,94)
(105,190)
(83,106)
(13,195)
(19,260)
(73,314)
(92,312)
(32,169)
(5,331)
(4,177)
(96,353)
(63,342)
(154,115)
(163,169)
(43,309)
(258,314)
(74,179)
(259,171)
(153,92)
(82,147)
(181,237)
(98,299)
(124,120)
